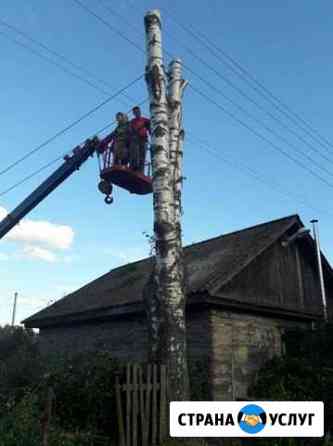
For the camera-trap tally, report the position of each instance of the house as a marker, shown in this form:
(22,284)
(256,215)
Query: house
(244,290)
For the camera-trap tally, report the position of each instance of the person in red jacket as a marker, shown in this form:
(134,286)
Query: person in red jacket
(139,131)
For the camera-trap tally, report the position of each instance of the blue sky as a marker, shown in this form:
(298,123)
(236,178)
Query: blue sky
(286,45)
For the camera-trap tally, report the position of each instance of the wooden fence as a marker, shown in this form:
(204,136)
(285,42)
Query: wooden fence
(142,408)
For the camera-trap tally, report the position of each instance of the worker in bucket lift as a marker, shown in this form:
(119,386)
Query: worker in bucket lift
(119,140)
(139,129)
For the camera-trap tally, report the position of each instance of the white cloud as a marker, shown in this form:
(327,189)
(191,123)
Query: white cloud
(43,232)
(69,259)
(35,252)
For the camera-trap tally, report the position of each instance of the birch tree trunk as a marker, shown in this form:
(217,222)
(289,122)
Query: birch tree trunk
(166,304)
(176,87)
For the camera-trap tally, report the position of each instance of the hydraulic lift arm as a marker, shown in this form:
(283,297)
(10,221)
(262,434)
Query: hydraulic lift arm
(70,165)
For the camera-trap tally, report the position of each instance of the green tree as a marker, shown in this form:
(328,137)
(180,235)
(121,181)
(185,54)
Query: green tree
(20,365)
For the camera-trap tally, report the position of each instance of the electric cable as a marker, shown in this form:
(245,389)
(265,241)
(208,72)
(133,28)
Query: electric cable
(226,97)
(45,166)
(254,83)
(262,137)
(53,62)
(62,57)
(71,125)
(236,165)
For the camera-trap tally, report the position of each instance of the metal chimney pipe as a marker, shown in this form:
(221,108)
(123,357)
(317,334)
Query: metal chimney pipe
(320,266)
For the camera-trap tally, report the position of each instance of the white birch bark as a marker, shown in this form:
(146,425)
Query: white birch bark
(166,305)
(176,87)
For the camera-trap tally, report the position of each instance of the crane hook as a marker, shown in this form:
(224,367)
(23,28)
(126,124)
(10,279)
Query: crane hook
(108,199)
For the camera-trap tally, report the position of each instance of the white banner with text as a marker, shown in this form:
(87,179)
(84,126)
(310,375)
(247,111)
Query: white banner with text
(246,419)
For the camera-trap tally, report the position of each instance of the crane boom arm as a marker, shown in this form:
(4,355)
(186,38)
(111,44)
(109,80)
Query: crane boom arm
(70,165)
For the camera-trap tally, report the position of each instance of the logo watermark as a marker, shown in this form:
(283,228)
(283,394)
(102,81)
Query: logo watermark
(244,419)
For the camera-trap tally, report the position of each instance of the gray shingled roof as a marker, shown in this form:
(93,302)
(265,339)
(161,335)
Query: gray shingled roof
(211,263)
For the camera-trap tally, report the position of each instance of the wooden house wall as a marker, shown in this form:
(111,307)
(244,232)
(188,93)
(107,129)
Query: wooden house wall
(125,337)
(240,345)
(279,277)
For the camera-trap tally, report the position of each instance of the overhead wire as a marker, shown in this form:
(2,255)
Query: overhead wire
(134,44)
(31,175)
(53,62)
(141,50)
(233,85)
(241,92)
(259,106)
(62,57)
(112,28)
(228,81)
(254,83)
(214,88)
(45,166)
(255,119)
(249,171)
(261,136)
(72,124)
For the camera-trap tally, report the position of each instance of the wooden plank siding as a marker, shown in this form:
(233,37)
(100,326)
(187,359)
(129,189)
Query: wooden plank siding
(279,277)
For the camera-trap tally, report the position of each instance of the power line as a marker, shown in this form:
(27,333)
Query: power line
(259,135)
(73,124)
(107,24)
(45,166)
(117,14)
(251,172)
(258,121)
(209,149)
(228,81)
(214,88)
(28,177)
(53,62)
(254,83)
(189,69)
(259,106)
(62,57)
(241,92)
(279,149)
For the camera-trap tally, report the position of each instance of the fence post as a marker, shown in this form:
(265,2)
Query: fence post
(135,407)
(46,417)
(148,402)
(154,407)
(146,398)
(120,412)
(163,401)
(128,405)
(142,406)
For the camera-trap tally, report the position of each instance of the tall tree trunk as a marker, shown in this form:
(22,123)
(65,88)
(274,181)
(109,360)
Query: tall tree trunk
(166,306)
(176,87)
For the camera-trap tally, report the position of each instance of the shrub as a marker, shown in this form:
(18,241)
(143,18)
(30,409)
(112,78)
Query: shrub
(20,364)
(19,427)
(84,388)
(305,373)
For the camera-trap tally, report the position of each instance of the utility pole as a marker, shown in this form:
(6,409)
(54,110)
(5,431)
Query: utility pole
(166,307)
(14,309)
(320,266)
